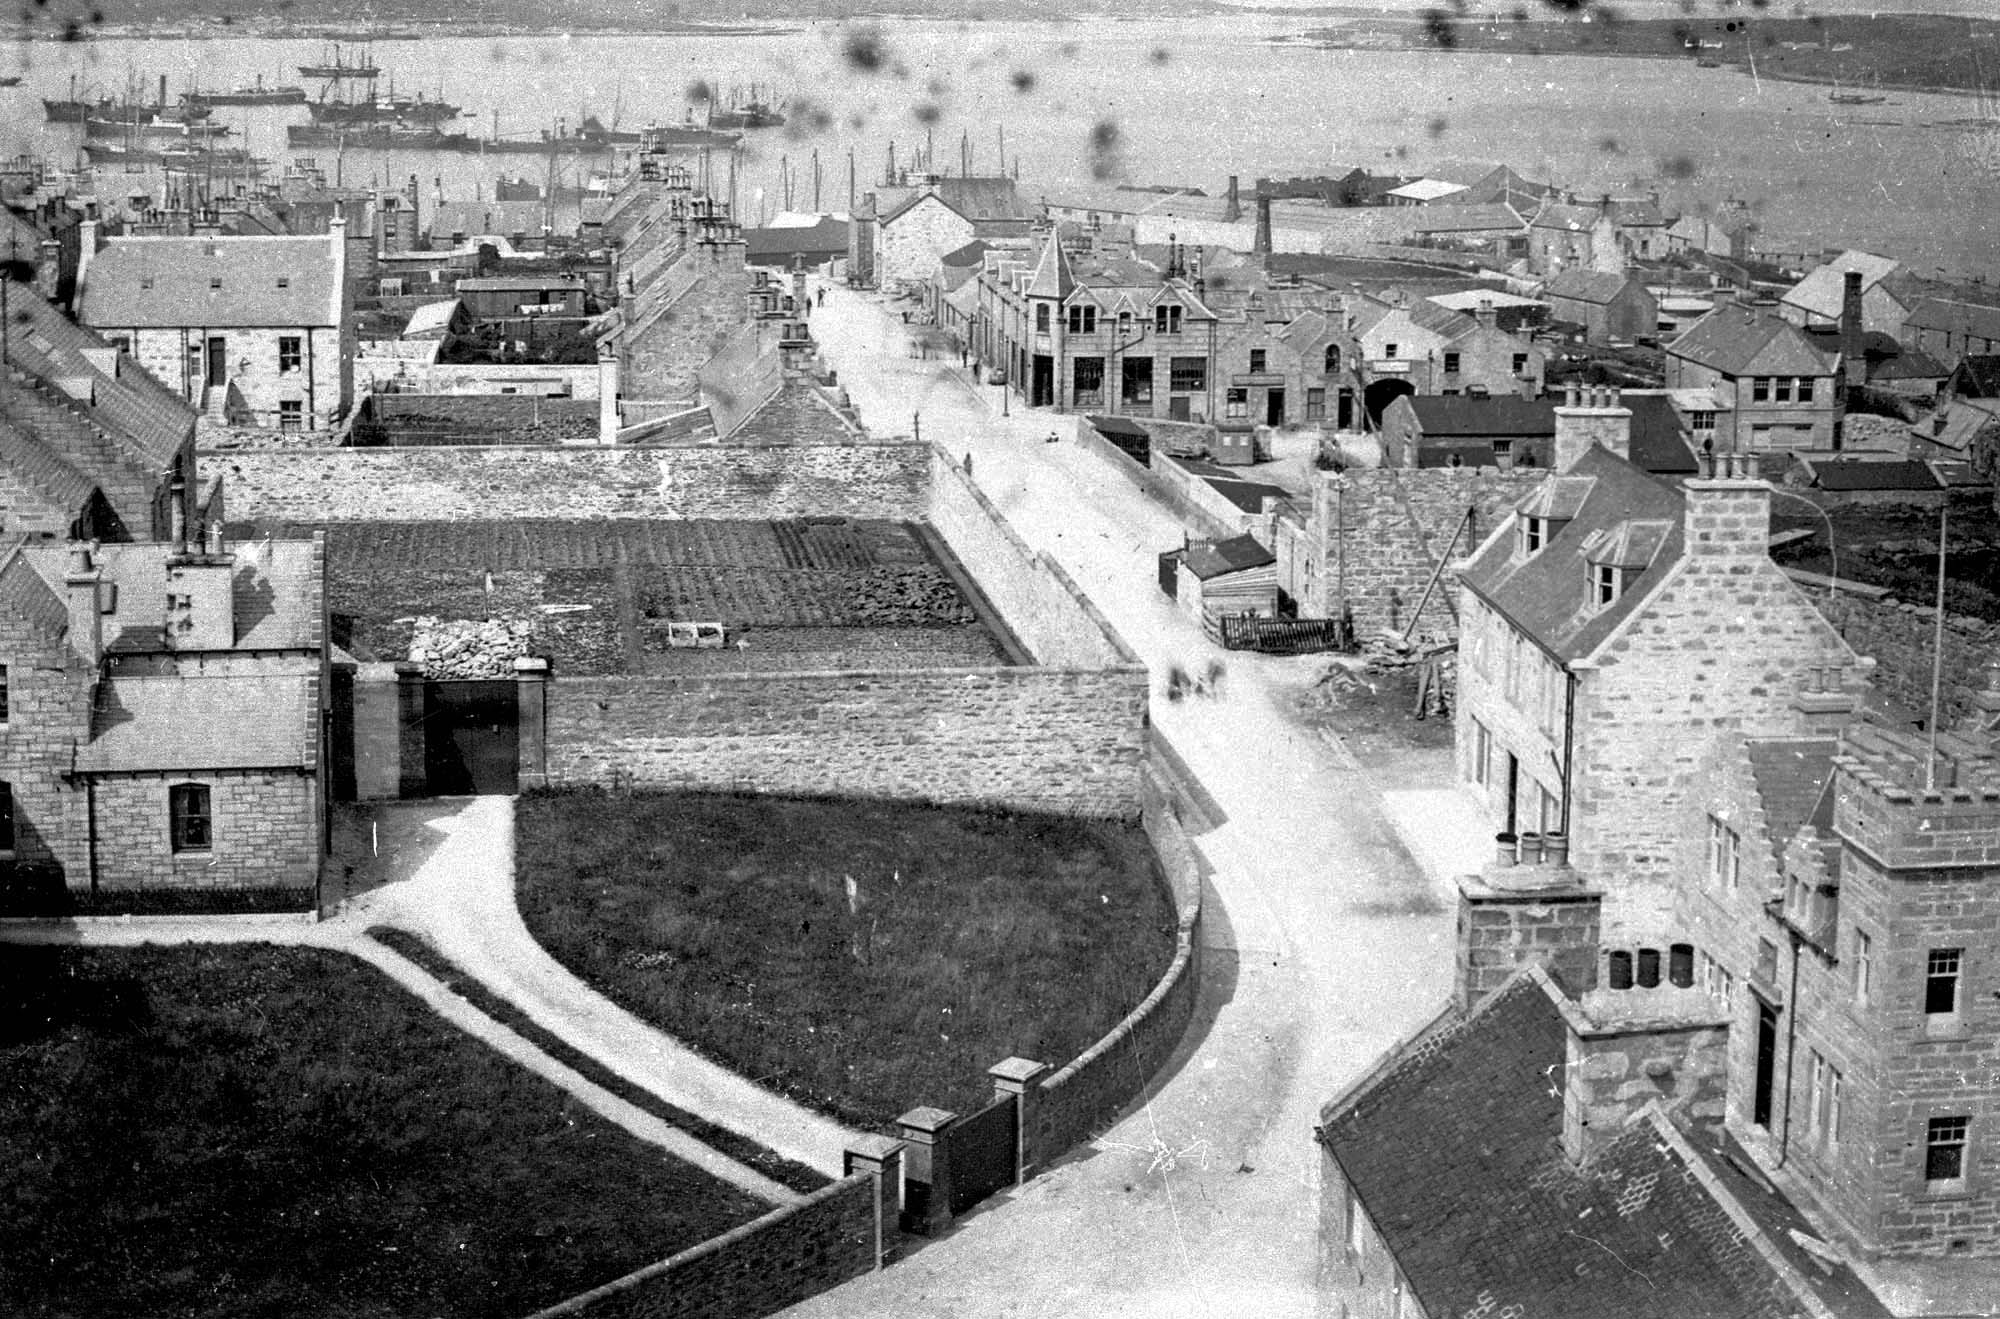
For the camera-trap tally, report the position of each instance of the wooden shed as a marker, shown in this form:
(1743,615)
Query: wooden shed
(1235,576)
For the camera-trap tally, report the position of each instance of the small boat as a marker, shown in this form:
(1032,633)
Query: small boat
(255,94)
(1855,98)
(337,68)
(1708,64)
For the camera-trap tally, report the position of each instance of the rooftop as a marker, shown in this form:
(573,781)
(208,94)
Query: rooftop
(1444,416)
(1745,341)
(141,283)
(1585,286)
(188,722)
(1207,560)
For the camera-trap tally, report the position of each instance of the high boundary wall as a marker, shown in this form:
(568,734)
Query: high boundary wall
(1200,523)
(1062,741)
(760,482)
(1035,598)
(1379,534)
(1899,636)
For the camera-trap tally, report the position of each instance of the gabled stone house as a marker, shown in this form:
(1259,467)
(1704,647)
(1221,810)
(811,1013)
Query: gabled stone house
(250,331)
(900,234)
(1767,385)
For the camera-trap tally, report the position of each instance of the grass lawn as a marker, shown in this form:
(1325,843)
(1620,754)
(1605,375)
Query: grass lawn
(251,1131)
(727,921)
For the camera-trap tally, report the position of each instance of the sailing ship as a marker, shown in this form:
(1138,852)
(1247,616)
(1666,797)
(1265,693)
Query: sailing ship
(255,94)
(123,129)
(754,112)
(377,137)
(382,107)
(74,109)
(338,67)
(178,154)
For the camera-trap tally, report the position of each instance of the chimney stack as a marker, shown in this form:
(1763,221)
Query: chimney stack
(1485,314)
(1635,1048)
(608,419)
(82,586)
(1728,514)
(1262,246)
(1591,416)
(1232,209)
(1854,363)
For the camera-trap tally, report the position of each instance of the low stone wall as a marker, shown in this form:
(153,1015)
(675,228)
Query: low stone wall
(1208,503)
(1198,521)
(1899,636)
(1034,597)
(1064,741)
(889,480)
(1092,1090)
(786,1256)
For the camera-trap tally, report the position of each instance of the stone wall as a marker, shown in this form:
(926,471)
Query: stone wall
(1899,635)
(1198,521)
(1034,597)
(565,381)
(1503,931)
(1377,534)
(1091,1090)
(1207,504)
(177,359)
(1067,742)
(786,1256)
(47,713)
(1613,1070)
(400,485)
(1356,1271)
(675,327)
(265,827)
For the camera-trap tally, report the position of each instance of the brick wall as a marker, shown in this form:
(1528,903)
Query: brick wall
(1061,741)
(1036,599)
(786,1256)
(757,482)
(264,823)
(1377,533)
(1093,1088)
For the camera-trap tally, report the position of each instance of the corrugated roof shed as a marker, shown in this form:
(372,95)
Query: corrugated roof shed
(142,283)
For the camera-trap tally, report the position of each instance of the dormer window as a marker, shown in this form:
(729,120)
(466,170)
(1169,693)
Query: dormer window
(1389,350)
(1605,583)
(1534,535)
(1041,318)
(1167,319)
(1083,319)
(1258,361)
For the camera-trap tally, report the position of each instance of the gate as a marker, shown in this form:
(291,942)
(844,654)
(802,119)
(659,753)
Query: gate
(981,1150)
(471,737)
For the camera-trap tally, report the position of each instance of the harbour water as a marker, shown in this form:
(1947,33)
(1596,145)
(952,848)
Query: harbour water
(1185,102)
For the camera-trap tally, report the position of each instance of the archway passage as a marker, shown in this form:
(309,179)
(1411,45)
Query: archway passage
(1380,394)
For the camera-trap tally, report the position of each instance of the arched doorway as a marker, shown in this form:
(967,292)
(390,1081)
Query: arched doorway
(1380,394)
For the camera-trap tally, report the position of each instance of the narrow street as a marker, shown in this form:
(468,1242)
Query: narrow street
(1327,943)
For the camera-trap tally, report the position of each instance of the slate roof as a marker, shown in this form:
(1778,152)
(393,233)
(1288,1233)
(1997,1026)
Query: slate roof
(1977,376)
(1426,190)
(1963,419)
(1856,474)
(1481,218)
(1596,286)
(1237,554)
(145,283)
(1657,445)
(973,198)
(1468,300)
(1573,219)
(275,592)
(202,722)
(147,422)
(1453,1147)
(1906,364)
(488,217)
(1744,341)
(522,284)
(777,245)
(1547,594)
(1444,416)
(1823,290)
(1794,782)
(1950,317)
(25,594)
(1054,277)
(431,318)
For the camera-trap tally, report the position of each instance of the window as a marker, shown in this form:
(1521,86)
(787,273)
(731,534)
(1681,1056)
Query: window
(1188,375)
(6,817)
(1649,968)
(1520,366)
(1716,981)
(3,694)
(1167,319)
(291,355)
(1332,358)
(1781,389)
(1760,389)
(1815,1096)
(1315,405)
(1830,1121)
(1805,389)
(1089,381)
(1680,965)
(1259,361)
(1944,1154)
(145,281)
(1389,349)
(1725,855)
(1701,423)
(1236,403)
(1356,1243)
(188,817)
(291,414)
(1603,583)
(1481,754)
(1451,364)
(1864,966)
(1534,534)
(1766,969)
(1041,318)
(1619,973)
(1083,320)
(121,342)
(1138,380)
(1941,972)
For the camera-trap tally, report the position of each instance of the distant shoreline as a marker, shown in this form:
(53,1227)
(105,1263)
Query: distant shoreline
(247,32)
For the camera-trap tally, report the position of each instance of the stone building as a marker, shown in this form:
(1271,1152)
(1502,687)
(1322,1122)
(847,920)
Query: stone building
(90,446)
(1605,305)
(1424,348)
(1888,293)
(1563,236)
(900,234)
(1610,629)
(251,331)
(1769,386)
(161,746)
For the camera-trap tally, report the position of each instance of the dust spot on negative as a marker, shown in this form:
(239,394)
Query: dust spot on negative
(699,93)
(1402,153)
(865,50)
(1679,168)
(1023,81)
(1160,55)
(1610,146)
(1437,126)
(1438,29)
(1567,6)
(498,54)
(1107,151)
(926,113)
(1068,50)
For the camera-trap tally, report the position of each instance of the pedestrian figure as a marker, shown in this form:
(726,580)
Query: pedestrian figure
(1213,677)
(822,297)
(1177,683)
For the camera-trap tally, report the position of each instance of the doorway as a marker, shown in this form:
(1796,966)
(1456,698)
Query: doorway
(1274,407)
(1042,390)
(218,361)
(1767,1063)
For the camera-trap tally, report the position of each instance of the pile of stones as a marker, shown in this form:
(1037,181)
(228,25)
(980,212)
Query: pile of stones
(465,648)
